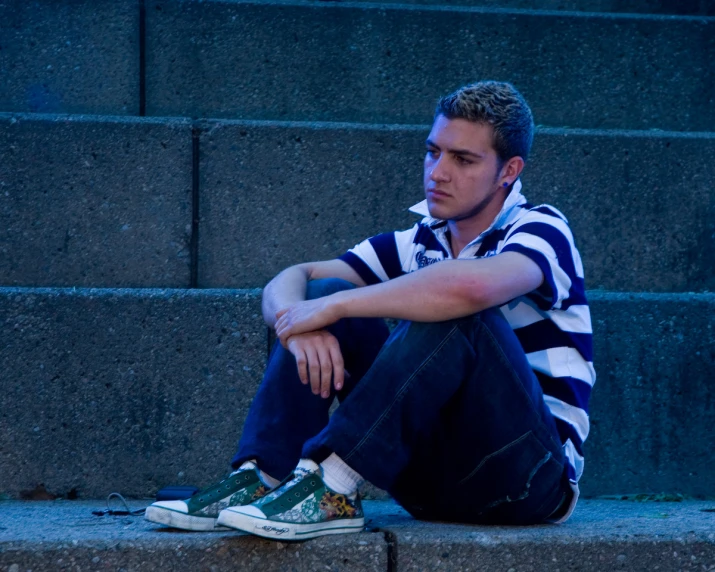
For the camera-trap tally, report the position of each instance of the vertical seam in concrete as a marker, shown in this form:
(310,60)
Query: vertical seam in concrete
(142,58)
(194,245)
(391,540)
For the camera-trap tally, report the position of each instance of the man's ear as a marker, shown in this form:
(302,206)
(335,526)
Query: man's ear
(511,170)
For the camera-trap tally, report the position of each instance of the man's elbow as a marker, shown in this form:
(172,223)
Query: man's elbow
(474,293)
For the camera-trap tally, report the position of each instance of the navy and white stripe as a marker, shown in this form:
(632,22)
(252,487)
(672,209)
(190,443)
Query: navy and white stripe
(552,323)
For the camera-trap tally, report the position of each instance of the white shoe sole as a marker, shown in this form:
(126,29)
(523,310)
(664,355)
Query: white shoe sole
(287,530)
(181,520)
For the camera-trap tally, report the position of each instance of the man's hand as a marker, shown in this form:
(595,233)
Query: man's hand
(319,359)
(307,316)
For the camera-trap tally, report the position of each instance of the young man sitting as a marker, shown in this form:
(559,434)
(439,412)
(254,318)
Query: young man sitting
(474,409)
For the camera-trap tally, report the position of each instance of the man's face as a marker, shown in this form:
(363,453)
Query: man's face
(461,169)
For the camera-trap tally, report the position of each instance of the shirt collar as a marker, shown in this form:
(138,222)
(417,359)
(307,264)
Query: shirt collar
(513,200)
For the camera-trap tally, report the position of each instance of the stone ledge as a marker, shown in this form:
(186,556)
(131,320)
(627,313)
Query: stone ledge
(602,535)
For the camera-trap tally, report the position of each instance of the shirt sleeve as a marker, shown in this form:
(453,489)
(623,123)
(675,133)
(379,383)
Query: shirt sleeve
(381,257)
(545,237)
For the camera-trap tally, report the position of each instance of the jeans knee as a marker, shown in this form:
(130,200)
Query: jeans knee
(326,286)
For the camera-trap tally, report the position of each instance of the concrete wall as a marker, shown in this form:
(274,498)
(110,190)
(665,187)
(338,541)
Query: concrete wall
(283,186)
(97,202)
(375,63)
(94,202)
(363,62)
(70,57)
(653,405)
(130,390)
(124,390)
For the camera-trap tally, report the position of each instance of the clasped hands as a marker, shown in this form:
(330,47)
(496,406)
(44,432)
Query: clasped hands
(299,328)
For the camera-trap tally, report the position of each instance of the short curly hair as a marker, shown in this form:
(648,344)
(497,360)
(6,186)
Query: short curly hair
(498,104)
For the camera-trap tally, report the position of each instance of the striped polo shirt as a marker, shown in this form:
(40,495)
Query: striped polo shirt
(552,323)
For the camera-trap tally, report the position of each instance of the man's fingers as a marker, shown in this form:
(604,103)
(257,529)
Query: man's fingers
(302,362)
(319,361)
(336,357)
(326,371)
(281,326)
(313,369)
(284,339)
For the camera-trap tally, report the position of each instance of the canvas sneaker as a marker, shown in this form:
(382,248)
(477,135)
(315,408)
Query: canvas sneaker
(200,511)
(303,507)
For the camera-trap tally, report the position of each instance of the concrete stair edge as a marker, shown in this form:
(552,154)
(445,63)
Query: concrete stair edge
(600,535)
(592,294)
(477,6)
(208,123)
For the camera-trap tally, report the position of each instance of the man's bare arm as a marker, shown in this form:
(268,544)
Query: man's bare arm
(289,286)
(450,289)
(317,353)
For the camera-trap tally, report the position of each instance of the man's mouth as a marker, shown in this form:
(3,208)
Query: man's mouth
(436,193)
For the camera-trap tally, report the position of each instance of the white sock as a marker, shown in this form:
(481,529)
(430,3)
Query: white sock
(266,479)
(339,476)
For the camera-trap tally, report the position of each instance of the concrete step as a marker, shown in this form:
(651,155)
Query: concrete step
(65,535)
(672,7)
(118,389)
(601,535)
(327,187)
(99,201)
(69,56)
(358,61)
(95,201)
(389,62)
(131,390)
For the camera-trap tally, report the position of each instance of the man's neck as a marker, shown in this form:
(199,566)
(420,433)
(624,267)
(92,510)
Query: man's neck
(464,231)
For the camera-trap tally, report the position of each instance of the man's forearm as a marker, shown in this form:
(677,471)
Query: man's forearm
(285,289)
(439,292)
(450,289)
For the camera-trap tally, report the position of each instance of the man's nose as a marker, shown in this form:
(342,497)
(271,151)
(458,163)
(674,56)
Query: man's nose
(439,171)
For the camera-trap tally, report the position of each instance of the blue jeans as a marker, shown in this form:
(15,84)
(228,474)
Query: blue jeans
(448,417)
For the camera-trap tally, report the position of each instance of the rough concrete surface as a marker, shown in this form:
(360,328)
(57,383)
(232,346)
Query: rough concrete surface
(65,535)
(653,405)
(387,63)
(641,205)
(123,390)
(65,56)
(87,201)
(130,391)
(273,195)
(673,7)
(91,201)
(601,535)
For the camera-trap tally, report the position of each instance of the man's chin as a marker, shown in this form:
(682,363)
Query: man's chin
(435,211)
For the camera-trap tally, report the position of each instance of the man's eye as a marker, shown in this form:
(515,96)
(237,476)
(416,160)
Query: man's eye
(433,153)
(462,161)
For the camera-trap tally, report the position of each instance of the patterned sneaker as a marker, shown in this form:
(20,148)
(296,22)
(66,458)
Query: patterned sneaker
(200,511)
(304,507)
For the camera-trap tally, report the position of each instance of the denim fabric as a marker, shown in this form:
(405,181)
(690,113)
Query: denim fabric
(447,416)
